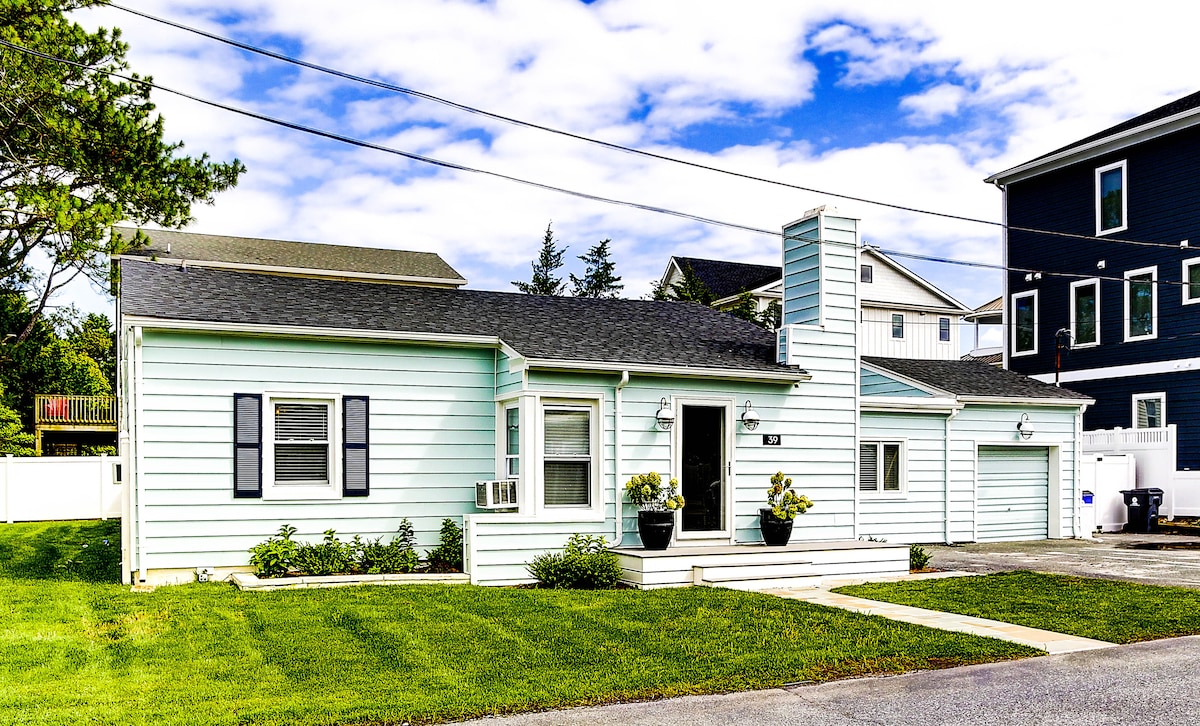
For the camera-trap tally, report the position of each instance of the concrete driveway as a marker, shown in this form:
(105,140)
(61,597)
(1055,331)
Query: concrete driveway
(1156,559)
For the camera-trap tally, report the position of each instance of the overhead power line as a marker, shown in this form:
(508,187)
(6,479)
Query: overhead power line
(340,138)
(383,85)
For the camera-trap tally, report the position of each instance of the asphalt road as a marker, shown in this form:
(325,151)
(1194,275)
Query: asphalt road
(1146,683)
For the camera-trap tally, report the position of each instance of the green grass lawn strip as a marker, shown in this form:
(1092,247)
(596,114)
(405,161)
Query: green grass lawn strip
(80,652)
(1110,610)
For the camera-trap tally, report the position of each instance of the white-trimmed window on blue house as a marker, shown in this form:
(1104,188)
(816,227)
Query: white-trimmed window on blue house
(898,325)
(1191,281)
(1085,313)
(944,330)
(567,456)
(1024,323)
(881,468)
(1149,410)
(1112,197)
(300,446)
(1141,304)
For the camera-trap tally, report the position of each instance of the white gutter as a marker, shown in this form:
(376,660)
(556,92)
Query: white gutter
(792,375)
(946,503)
(619,533)
(349,275)
(909,403)
(307,331)
(1000,400)
(139,509)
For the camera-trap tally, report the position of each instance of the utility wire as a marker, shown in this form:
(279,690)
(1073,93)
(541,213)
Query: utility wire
(519,180)
(609,145)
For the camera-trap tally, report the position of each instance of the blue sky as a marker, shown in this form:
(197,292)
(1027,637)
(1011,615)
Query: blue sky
(910,103)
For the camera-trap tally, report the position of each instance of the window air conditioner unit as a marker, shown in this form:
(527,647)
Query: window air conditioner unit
(500,494)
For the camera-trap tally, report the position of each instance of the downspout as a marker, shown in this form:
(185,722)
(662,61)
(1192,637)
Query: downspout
(946,496)
(619,533)
(139,511)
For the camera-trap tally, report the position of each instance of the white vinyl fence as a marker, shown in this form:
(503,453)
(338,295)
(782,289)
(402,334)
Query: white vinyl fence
(1154,453)
(40,488)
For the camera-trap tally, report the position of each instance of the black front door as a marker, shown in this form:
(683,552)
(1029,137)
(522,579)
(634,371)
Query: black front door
(702,460)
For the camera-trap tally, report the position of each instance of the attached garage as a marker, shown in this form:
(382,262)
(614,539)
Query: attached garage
(1013,493)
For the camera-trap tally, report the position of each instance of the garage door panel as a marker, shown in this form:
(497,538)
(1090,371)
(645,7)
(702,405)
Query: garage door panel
(1013,493)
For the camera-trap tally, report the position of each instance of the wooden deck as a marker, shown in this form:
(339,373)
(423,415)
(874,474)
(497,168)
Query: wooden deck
(757,566)
(54,412)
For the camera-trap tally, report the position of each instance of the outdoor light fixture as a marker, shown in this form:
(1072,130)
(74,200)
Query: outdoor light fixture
(1024,426)
(750,418)
(665,416)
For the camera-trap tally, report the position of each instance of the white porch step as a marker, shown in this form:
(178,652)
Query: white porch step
(755,577)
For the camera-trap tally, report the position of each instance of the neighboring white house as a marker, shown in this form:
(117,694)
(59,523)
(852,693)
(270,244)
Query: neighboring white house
(902,315)
(255,398)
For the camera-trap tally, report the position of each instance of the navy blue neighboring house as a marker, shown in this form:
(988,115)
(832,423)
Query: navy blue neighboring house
(1126,288)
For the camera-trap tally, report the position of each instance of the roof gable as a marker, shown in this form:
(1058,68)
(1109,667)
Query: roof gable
(895,284)
(724,279)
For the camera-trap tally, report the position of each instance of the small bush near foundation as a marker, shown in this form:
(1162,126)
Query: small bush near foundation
(376,558)
(273,558)
(327,557)
(585,564)
(918,558)
(447,556)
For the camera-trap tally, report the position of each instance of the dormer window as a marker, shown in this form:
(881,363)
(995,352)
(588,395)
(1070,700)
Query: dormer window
(1111,199)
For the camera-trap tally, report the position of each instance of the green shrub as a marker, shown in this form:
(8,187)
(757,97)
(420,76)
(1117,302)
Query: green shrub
(918,558)
(399,555)
(273,558)
(585,564)
(448,555)
(327,557)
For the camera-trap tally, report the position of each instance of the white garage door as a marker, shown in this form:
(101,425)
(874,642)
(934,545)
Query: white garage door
(1014,487)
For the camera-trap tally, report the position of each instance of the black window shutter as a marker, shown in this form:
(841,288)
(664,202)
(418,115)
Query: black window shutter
(355,441)
(247,445)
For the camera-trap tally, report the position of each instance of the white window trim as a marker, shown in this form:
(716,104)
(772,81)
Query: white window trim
(892,326)
(282,492)
(1153,272)
(1184,277)
(1162,397)
(1013,333)
(502,446)
(881,493)
(1124,198)
(949,331)
(1095,281)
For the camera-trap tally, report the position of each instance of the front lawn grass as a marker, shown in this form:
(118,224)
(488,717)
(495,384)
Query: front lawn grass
(80,652)
(1118,612)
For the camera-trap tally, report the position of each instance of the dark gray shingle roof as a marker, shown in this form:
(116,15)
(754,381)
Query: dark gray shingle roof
(587,330)
(730,278)
(972,378)
(307,255)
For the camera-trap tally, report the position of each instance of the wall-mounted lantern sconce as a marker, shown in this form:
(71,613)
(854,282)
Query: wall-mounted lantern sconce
(750,418)
(1025,426)
(665,416)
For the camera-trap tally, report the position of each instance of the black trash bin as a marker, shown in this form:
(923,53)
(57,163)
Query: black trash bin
(1143,507)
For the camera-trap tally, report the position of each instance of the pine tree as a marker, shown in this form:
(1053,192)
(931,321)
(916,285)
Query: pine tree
(691,288)
(550,259)
(598,280)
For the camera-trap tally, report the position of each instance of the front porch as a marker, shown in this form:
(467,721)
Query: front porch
(757,566)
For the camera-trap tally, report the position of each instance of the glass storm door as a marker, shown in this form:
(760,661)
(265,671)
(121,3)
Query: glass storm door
(702,468)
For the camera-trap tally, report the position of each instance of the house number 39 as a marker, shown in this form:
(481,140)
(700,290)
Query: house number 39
(772,439)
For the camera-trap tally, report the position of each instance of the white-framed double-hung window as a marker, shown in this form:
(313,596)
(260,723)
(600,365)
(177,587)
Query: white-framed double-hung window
(1149,410)
(1141,304)
(567,456)
(1085,313)
(1112,199)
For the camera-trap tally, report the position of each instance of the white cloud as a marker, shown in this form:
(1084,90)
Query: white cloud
(932,105)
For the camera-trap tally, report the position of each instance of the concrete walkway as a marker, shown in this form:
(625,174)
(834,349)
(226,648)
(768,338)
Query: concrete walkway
(1053,643)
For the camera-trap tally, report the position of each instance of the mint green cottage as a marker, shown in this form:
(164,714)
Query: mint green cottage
(255,395)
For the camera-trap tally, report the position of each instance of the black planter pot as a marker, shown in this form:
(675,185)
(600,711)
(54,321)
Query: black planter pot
(655,529)
(775,531)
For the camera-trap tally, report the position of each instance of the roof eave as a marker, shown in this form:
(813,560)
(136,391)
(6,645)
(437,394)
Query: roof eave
(783,375)
(1027,401)
(300,271)
(1114,142)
